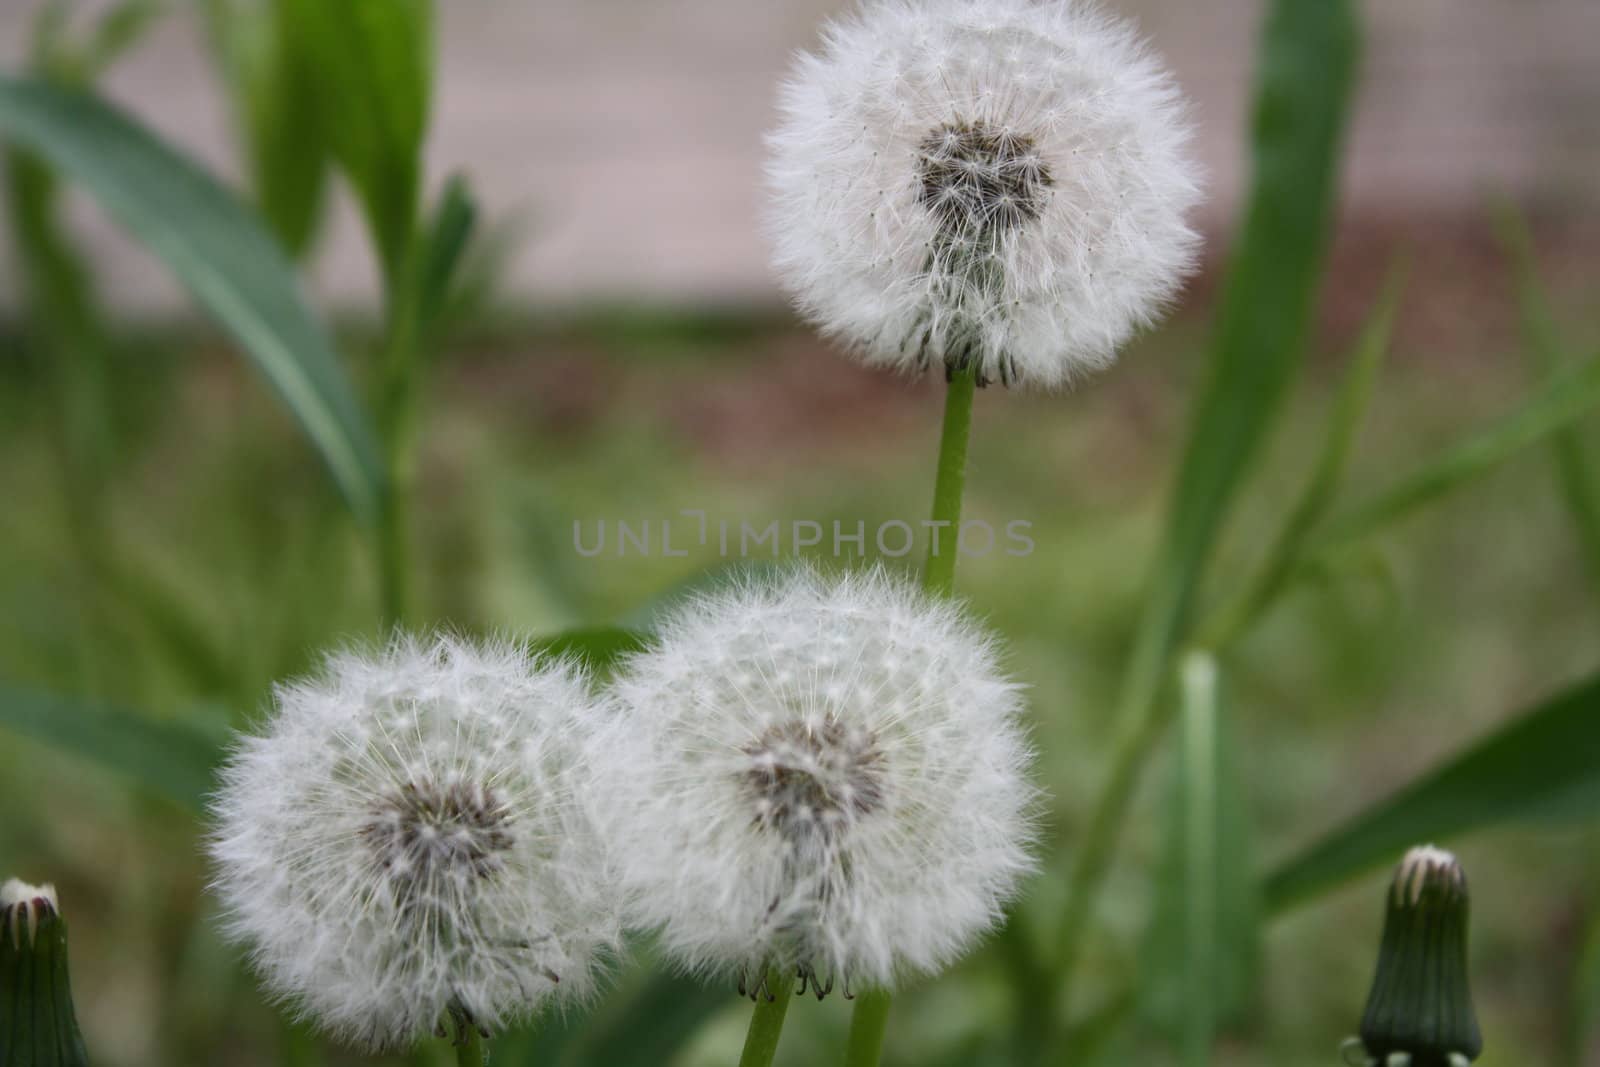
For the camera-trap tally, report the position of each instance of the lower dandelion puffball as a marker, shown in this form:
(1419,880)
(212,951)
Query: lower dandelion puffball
(408,841)
(821,776)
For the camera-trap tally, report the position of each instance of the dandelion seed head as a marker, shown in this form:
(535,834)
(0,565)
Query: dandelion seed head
(1003,184)
(411,835)
(825,775)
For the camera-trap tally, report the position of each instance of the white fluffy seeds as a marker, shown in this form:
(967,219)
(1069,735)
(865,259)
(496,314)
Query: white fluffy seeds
(992,183)
(824,776)
(409,839)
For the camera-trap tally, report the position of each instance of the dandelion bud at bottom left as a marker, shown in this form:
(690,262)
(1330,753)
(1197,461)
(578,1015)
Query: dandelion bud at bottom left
(38,1025)
(406,845)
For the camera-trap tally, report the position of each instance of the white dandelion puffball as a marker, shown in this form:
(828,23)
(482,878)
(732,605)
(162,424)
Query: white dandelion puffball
(998,184)
(820,775)
(410,839)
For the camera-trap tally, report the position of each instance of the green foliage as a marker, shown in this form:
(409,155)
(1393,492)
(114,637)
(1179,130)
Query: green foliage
(1323,486)
(1303,91)
(279,100)
(1578,483)
(1303,94)
(1201,950)
(1544,764)
(374,60)
(174,759)
(1563,399)
(221,254)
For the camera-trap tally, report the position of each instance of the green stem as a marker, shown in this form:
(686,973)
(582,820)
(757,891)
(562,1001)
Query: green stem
(866,1029)
(940,573)
(766,1024)
(469,1048)
(397,402)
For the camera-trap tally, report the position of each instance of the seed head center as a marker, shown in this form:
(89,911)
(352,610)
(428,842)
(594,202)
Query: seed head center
(424,830)
(977,177)
(807,778)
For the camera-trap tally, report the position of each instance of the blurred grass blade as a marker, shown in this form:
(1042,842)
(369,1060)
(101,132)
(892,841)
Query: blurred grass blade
(442,254)
(598,646)
(1544,764)
(1303,93)
(1582,1037)
(1201,950)
(119,29)
(1578,483)
(279,101)
(375,62)
(218,251)
(170,758)
(1318,496)
(1302,99)
(1562,400)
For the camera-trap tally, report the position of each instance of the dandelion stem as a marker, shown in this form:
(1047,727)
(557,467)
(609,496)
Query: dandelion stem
(939,575)
(866,1029)
(469,1048)
(766,1024)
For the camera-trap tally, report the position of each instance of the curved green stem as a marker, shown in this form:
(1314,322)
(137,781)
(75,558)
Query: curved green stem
(866,1029)
(939,575)
(766,1024)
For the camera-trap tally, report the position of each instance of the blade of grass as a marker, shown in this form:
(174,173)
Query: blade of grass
(1546,763)
(173,759)
(1232,620)
(1303,91)
(1562,400)
(1578,484)
(219,252)
(374,59)
(1202,945)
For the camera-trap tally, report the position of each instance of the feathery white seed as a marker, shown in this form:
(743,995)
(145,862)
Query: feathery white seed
(998,183)
(411,834)
(817,774)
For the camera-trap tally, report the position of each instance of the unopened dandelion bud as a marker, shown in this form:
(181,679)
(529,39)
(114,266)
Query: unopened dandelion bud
(1419,1013)
(38,1026)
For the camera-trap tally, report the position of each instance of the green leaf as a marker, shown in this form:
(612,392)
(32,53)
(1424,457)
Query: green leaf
(1328,474)
(279,98)
(1562,400)
(1544,764)
(218,251)
(1202,947)
(1578,484)
(442,253)
(375,62)
(598,646)
(174,759)
(1303,92)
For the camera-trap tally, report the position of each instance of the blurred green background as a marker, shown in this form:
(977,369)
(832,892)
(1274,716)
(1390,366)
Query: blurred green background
(170,543)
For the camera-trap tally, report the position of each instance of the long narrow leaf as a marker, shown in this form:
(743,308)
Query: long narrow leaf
(218,251)
(1578,484)
(1323,486)
(1561,401)
(173,759)
(1303,95)
(1546,763)
(1202,946)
